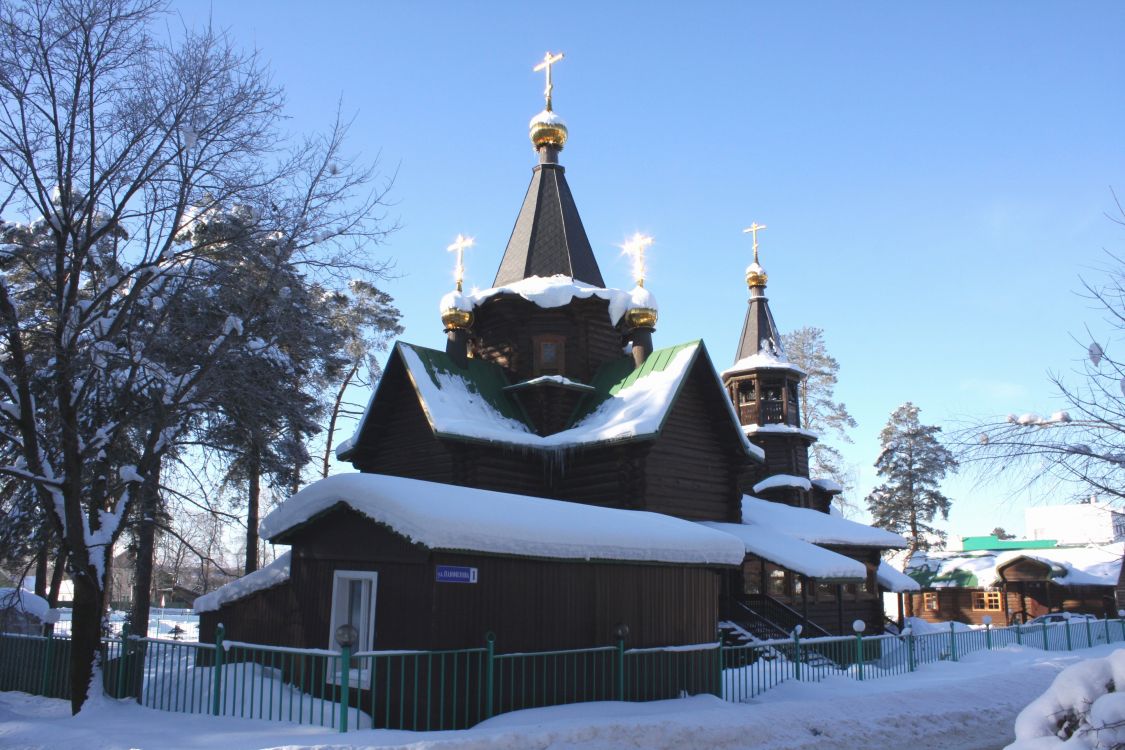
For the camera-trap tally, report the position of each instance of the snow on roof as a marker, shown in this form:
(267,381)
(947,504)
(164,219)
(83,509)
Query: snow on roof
(753,429)
(1091,565)
(25,601)
(559,290)
(791,553)
(828,485)
(783,480)
(634,408)
(450,517)
(894,580)
(813,526)
(762,361)
(555,379)
(263,578)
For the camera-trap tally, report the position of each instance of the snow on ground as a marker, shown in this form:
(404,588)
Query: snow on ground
(969,705)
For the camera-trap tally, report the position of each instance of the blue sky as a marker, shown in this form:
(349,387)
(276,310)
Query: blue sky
(935,177)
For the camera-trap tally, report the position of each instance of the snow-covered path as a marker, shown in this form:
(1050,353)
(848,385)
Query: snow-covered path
(969,705)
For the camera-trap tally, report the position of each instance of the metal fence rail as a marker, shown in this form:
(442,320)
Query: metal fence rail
(432,690)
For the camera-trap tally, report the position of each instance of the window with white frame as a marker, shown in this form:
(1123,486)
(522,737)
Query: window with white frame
(353,603)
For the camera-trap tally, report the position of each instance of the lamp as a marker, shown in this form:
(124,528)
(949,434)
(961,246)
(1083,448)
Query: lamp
(347,636)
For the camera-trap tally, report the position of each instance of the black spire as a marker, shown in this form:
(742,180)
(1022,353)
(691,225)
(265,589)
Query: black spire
(759,332)
(548,238)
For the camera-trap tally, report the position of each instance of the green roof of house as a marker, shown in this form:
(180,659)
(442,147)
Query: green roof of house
(993,542)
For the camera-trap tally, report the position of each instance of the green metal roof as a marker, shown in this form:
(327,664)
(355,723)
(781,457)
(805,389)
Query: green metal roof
(614,377)
(484,378)
(976,543)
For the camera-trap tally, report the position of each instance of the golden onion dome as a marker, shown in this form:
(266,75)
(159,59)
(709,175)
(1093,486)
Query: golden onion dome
(642,310)
(641,317)
(756,275)
(456,311)
(547,129)
(454,319)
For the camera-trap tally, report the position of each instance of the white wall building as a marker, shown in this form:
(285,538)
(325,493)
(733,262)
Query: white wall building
(1091,522)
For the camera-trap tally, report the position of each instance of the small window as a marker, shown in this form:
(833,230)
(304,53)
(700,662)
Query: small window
(930,601)
(986,600)
(826,592)
(550,355)
(747,392)
(776,582)
(771,392)
(752,577)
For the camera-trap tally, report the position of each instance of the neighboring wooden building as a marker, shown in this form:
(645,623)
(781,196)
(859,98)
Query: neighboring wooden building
(1015,585)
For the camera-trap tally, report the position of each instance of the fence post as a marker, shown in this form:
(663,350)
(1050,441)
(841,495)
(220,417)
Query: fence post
(719,668)
(797,653)
(988,635)
(952,642)
(489,674)
(44,683)
(1089,635)
(1121,622)
(910,648)
(217,677)
(345,684)
(620,669)
(121,661)
(1019,634)
(1046,642)
(1069,643)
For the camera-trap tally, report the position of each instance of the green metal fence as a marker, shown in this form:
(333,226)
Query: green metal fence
(432,690)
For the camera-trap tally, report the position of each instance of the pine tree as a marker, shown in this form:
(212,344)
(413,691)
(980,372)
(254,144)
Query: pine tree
(820,412)
(912,463)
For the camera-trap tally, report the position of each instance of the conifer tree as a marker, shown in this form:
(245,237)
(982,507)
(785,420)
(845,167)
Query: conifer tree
(820,412)
(912,463)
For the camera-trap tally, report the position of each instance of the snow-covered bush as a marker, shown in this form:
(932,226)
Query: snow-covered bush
(1081,709)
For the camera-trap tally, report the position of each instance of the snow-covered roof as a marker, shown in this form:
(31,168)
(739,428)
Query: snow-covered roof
(762,361)
(754,429)
(263,578)
(783,480)
(627,403)
(894,580)
(25,601)
(792,553)
(450,517)
(556,291)
(813,526)
(1092,565)
(828,485)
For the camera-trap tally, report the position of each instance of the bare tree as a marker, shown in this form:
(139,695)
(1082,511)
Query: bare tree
(1080,448)
(112,144)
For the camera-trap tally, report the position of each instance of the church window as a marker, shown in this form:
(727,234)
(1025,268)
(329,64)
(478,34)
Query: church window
(771,393)
(752,577)
(747,392)
(986,600)
(550,355)
(930,601)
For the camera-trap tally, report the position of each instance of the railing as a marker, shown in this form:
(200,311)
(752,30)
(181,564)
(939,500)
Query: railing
(432,690)
(779,615)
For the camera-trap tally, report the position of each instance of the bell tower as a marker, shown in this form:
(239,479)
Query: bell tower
(765,389)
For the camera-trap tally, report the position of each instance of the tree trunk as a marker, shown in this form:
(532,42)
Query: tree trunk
(337,405)
(146,550)
(41,567)
(85,636)
(57,578)
(253,495)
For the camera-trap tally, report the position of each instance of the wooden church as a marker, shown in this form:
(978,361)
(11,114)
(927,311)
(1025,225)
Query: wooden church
(553,478)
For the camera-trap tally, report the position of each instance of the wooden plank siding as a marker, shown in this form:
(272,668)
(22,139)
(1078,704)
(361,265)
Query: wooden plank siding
(398,439)
(530,604)
(692,469)
(506,327)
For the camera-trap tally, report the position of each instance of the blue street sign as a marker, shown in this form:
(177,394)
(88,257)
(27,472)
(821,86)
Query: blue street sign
(455,574)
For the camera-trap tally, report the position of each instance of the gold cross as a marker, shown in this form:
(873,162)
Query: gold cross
(548,61)
(460,245)
(635,248)
(753,230)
